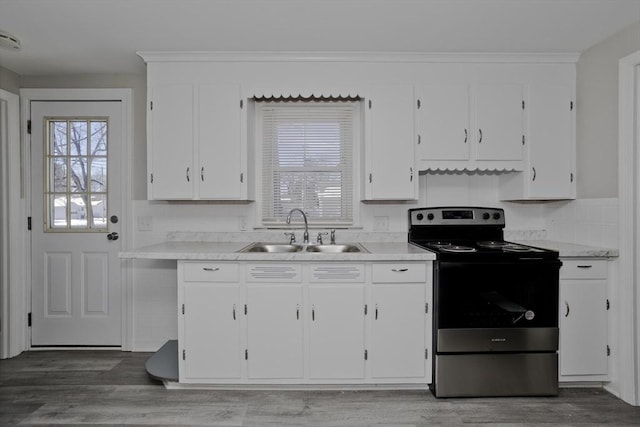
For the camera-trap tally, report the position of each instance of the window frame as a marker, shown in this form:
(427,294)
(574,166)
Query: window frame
(48,171)
(357,132)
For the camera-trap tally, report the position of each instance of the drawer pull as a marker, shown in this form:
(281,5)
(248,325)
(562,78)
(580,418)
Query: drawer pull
(566,313)
(211,268)
(234,312)
(585,266)
(399,270)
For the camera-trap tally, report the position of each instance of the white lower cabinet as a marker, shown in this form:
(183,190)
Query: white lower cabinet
(304,323)
(209,324)
(583,320)
(274,331)
(337,321)
(399,321)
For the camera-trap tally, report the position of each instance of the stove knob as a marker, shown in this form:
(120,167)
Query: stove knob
(430,217)
(486,216)
(496,215)
(419,217)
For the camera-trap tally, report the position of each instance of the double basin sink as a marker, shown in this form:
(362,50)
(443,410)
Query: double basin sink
(310,248)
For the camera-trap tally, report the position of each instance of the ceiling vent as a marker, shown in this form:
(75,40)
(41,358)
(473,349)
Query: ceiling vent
(9,41)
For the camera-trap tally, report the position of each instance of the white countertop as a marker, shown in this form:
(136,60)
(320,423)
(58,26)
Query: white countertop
(572,250)
(228,251)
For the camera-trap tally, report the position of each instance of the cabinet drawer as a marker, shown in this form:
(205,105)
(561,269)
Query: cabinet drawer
(583,269)
(398,272)
(336,273)
(274,273)
(210,272)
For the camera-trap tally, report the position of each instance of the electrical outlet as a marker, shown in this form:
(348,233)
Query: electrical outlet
(380,223)
(242,223)
(145,223)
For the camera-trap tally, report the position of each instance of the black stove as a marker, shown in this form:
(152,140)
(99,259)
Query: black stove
(495,318)
(470,233)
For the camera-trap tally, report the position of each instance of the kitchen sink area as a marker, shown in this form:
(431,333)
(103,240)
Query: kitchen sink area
(261,247)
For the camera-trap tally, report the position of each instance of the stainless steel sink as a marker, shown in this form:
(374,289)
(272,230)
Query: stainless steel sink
(284,248)
(336,249)
(272,247)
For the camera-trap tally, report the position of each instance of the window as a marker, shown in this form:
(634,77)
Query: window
(76,174)
(307,160)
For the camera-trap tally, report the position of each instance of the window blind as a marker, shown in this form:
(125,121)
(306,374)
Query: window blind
(308,161)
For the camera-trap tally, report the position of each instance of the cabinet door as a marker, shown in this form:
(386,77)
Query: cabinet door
(550,142)
(274,331)
(220,173)
(398,331)
(498,122)
(211,331)
(336,332)
(443,122)
(583,327)
(171,142)
(391,173)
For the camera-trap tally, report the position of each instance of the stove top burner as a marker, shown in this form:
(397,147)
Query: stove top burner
(457,248)
(492,244)
(514,247)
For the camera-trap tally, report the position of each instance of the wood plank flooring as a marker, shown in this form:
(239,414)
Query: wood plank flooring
(54,388)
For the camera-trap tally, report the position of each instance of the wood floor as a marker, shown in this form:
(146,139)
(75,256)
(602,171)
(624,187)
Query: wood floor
(112,388)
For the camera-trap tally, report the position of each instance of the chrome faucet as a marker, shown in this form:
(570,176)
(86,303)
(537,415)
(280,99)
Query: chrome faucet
(305,236)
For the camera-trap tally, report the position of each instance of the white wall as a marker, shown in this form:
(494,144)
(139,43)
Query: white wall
(597,114)
(585,221)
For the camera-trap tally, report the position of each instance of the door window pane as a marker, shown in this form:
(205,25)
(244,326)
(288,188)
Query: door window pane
(76,161)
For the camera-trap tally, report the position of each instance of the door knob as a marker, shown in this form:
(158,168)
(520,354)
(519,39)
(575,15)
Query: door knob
(112,236)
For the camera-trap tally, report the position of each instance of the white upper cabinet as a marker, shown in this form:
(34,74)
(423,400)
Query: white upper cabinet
(470,127)
(222,173)
(197,147)
(498,123)
(443,123)
(170,148)
(549,172)
(390,172)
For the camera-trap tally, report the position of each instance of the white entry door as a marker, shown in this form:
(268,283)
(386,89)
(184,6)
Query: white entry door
(75,206)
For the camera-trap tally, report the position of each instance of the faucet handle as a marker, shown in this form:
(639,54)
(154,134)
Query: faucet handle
(333,236)
(320,234)
(292,236)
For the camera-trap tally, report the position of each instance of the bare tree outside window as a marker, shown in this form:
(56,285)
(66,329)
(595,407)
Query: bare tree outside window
(76,162)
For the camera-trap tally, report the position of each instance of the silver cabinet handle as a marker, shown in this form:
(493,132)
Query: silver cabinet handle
(567,309)
(370,178)
(188,175)
(298,312)
(585,266)
(534,174)
(411,174)
(313,313)
(202,174)
(211,268)
(399,270)
(376,311)
(480,140)
(466,136)
(234,312)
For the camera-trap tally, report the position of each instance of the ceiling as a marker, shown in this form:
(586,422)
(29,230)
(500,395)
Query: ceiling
(102,36)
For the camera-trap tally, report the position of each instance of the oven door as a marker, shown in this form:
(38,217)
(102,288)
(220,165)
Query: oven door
(496,306)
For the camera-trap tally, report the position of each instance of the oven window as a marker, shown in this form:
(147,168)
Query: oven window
(497,295)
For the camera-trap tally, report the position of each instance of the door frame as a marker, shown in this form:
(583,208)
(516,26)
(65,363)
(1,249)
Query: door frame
(124,95)
(12,262)
(629,228)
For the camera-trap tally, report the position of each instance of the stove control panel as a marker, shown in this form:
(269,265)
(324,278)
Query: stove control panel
(456,216)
